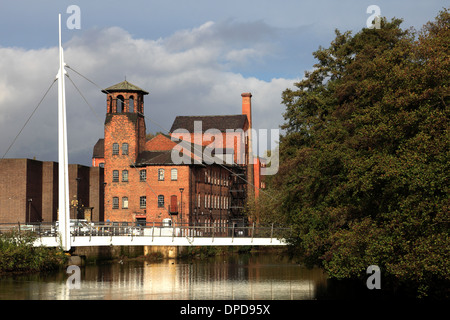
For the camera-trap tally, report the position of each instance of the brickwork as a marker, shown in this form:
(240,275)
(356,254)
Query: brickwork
(13,203)
(49,191)
(29,190)
(160,143)
(96,193)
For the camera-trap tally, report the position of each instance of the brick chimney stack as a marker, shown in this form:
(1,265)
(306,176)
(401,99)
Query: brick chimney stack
(247,107)
(247,110)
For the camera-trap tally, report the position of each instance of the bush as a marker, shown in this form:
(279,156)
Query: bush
(17,254)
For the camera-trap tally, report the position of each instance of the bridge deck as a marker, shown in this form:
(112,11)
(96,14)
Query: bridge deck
(83,241)
(85,233)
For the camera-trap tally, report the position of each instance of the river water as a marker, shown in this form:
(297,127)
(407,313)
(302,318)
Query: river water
(234,277)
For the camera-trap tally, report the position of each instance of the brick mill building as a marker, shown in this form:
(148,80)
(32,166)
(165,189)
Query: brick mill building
(136,180)
(144,181)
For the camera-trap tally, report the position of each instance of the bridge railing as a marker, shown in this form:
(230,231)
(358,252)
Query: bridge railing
(151,229)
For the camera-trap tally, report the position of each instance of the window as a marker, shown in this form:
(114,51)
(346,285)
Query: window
(115,203)
(125,203)
(160,201)
(110,104)
(120,103)
(115,148)
(143,175)
(143,202)
(161,174)
(174,174)
(125,148)
(131,104)
(125,175)
(115,176)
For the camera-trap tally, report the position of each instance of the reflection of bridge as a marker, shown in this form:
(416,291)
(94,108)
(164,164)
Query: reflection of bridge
(83,233)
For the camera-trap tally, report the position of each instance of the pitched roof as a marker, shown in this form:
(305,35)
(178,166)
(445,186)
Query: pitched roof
(221,123)
(154,157)
(124,86)
(99,149)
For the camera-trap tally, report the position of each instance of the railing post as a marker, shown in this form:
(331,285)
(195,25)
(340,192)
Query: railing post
(153,230)
(271,233)
(253,231)
(232,234)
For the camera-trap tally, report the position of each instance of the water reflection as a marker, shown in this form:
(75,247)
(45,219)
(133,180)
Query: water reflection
(220,278)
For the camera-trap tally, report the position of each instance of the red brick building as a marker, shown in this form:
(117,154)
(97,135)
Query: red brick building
(144,181)
(29,191)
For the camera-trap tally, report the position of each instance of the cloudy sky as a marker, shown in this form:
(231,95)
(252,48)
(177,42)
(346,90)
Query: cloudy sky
(195,57)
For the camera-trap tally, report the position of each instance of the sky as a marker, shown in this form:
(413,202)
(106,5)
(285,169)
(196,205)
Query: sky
(193,57)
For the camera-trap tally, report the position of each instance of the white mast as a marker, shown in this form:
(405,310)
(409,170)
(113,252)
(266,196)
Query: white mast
(63,173)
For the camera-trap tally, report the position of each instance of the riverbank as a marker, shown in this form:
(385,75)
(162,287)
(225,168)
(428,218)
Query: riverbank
(18,255)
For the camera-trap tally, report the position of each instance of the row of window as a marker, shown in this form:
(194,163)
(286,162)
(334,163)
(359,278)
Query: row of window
(142,202)
(116,147)
(143,175)
(210,201)
(120,104)
(216,178)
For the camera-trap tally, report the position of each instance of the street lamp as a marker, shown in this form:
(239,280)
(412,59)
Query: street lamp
(181,205)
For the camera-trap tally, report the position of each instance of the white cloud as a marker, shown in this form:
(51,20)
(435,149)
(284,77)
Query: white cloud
(187,73)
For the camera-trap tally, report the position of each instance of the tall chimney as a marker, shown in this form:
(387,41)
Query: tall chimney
(247,107)
(247,110)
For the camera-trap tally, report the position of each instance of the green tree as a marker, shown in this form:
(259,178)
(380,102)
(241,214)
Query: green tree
(364,161)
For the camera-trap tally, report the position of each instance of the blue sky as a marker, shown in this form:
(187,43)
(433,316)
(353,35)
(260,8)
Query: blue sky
(194,57)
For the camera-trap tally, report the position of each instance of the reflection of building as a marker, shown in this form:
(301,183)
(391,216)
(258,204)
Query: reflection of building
(144,181)
(29,191)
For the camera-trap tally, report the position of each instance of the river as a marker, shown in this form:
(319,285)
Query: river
(232,277)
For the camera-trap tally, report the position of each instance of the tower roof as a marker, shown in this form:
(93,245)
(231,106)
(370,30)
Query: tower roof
(124,86)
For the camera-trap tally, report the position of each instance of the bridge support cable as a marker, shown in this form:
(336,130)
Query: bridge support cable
(29,118)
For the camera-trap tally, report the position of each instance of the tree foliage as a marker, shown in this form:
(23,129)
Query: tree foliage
(17,254)
(364,161)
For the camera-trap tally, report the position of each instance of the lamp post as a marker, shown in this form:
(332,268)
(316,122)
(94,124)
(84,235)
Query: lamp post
(181,205)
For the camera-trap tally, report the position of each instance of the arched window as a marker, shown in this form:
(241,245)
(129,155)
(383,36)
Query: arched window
(120,104)
(160,201)
(125,148)
(110,110)
(131,104)
(161,174)
(174,174)
(125,175)
(124,202)
(115,148)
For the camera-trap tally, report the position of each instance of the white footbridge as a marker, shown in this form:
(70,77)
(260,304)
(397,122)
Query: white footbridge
(83,234)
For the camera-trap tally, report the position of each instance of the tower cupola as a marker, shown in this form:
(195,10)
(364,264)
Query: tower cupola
(124,97)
